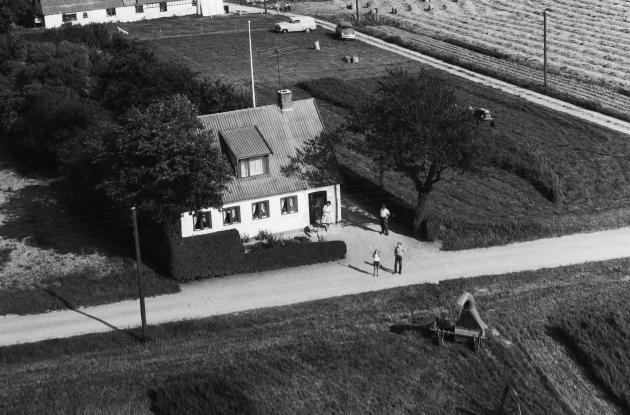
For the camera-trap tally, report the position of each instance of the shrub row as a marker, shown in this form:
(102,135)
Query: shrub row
(222,253)
(294,255)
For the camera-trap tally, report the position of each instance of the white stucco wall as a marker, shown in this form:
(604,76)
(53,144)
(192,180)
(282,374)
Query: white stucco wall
(128,14)
(276,222)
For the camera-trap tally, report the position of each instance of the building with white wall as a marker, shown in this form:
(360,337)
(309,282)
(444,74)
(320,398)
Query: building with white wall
(258,142)
(58,12)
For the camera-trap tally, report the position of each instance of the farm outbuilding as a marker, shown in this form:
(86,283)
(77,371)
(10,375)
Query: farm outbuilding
(58,12)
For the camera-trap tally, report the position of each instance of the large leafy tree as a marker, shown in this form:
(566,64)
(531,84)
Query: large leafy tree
(415,126)
(163,162)
(315,162)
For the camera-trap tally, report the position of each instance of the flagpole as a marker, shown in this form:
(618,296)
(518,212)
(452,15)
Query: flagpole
(251,62)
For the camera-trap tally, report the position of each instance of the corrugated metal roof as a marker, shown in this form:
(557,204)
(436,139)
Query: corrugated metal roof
(73,6)
(284,132)
(245,142)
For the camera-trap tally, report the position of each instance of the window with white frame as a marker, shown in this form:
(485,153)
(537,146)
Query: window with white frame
(231,215)
(253,166)
(68,17)
(288,205)
(260,210)
(202,220)
(139,8)
(163,7)
(110,12)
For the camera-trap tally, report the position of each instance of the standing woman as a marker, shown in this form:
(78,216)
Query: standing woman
(326,215)
(376,262)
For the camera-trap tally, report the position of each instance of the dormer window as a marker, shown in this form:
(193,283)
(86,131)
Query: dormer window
(253,167)
(247,150)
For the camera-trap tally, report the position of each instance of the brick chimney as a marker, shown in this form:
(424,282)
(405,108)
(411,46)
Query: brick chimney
(285,100)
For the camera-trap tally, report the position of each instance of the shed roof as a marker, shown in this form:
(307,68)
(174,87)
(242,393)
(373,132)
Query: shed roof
(245,142)
(50,7)
(284,132)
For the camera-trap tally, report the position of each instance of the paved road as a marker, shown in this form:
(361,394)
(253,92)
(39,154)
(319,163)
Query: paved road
(424,263)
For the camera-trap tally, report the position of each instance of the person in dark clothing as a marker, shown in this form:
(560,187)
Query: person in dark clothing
(399,253)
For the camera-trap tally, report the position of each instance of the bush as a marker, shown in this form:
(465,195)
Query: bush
(345,94)
(197,257)
(294,255)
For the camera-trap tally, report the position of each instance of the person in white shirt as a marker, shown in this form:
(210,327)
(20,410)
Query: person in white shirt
(376,261)
(326,215)
(384,217)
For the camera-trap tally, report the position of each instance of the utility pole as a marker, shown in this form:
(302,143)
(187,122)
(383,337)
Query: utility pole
(143,315)
(545,47)
(251,62)
(278,62)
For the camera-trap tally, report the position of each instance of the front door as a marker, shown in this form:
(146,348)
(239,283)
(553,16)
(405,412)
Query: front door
(316,202)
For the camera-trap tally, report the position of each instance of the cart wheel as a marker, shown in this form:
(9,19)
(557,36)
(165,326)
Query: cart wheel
(440,337)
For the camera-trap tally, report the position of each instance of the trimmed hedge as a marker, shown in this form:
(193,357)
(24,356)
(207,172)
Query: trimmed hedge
(222,253)
(197,257)
(294,255)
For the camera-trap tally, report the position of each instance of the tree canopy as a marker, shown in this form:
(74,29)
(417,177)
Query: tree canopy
(162,162)
(416,127)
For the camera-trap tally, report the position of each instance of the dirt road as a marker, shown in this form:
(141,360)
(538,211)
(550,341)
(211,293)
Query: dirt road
(424,263)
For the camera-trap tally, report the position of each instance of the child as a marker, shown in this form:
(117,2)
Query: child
(376,261)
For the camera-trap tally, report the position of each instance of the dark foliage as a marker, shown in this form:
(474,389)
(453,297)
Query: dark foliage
(162,162)
(315,162)
(15,12)
(134,77)
(415,126)
(201,394)
(294,255)
(187,259)
(217,96)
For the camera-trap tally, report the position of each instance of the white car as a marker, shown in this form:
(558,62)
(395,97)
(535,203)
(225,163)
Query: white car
(296,24)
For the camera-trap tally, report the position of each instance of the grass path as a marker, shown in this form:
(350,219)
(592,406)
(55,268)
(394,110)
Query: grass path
(424,263)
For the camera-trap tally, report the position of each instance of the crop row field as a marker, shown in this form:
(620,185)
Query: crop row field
(592,95)
(588,39)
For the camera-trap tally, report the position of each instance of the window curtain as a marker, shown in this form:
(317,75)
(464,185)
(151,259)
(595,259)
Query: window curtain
(243,166)
(256,166)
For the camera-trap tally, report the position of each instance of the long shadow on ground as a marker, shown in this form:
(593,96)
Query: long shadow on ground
(38,216)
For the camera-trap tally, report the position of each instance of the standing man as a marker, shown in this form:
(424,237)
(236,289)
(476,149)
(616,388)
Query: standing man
(384,217)
(399,253)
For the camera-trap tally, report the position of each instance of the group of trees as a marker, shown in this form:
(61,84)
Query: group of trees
(117,121)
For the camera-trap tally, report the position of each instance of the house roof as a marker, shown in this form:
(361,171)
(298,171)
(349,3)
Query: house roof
(245,142)
(284,132)
(73,6)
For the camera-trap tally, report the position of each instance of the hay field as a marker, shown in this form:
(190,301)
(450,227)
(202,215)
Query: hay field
(589,39)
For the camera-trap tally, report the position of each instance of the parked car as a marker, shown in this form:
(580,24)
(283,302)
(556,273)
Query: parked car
(345,31)
(296,24)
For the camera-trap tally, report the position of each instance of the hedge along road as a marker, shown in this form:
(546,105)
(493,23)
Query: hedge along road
(424,262)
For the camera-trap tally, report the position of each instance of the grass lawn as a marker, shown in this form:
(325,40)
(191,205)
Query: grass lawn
(552,173)
(360,354)
(55,257)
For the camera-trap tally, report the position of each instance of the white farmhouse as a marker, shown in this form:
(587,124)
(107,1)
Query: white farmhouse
(258,142)
(58,12)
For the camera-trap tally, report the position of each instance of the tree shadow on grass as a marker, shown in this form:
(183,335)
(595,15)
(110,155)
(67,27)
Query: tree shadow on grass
(40,216)
(69,306)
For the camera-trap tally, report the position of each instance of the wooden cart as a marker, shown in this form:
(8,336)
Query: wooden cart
(469,327)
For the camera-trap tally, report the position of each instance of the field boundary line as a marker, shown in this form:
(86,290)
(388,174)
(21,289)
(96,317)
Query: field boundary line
(527,94)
